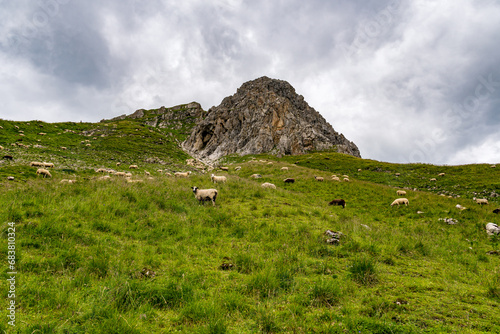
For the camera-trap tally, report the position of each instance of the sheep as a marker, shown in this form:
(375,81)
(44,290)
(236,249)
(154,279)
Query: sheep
(433,179)
(346,176)
(100,170)
(237,168)
(1,147)
(289,180)
(255,176)
(8,157)
(338,202)
(168,174)
(36,164)
(481,201)
(224,168)
(398,174)
(10,178)
(203,195)
(42,133)
(217,179)
(67,181)
(460,207)
(497,211)
(268,185)
(359,169)
(48,165)
(336,178)
(105,177)
(88,145)
(159,171)
(118,164)
(179,174)
(43,172)
(493,166)
(346,179)
(399,201)
(284,168)
(64,148)
(147,173)
(120,174)
(401,192)
(133,167)
(441,174)
(318,178)
(128,175)
(492,229)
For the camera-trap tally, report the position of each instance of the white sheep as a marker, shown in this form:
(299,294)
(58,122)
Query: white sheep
(43,172)
(159,170)
(492,229)
(224,168)
(217,179)
(346,176)
(481,201)
(128,175)
(255,176)
(433,179)
(268,185)
(346,179)
(179,174)
(284,168)
(118,163)
(133,167)
(36,164)
(168,174)
(203,195)
(401,192)
(335,178)
(101,170)
(120,174)
(237,168)
(399,201)
(319,178)
(441,174)
(147,173)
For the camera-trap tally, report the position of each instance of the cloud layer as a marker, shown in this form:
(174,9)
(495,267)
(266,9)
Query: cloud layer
(407,81)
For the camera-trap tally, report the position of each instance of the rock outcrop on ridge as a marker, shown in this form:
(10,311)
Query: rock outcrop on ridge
(265,115)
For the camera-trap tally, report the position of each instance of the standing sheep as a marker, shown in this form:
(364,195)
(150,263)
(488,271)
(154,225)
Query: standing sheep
(284,168)
(399,201)
(179,174)
(319,178)
(217,179)
(133,167)
(492,229)
(43,172)
(203,195)
(338,202)
(401,192)
(481,201)
(289,180)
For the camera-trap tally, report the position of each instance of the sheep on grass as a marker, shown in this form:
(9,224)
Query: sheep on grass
(179,174)
(481,201)
(319,178)
(338,202)
(401,192)
(203,195)
(492,229)
(43,172)
(217,179)
(399,201)
(289,180)
(268,185)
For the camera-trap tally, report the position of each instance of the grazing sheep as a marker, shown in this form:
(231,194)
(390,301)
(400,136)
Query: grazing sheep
(481,201)
(10,178)
(347,176)
(133,167)
(289,180)
(401,192)
(268,185)
(48,165)
(284,168)
(128,175)
(359,169)
(168,174)
(335,178)
(64,148)
(42,133)
(319,178)
(179,174)
(43,172)
(398,174)
(147,173)
(217,179)
(36,164)
(338,202)
(105,177)
(118,163)
(101,170)
(433,179)
(67,181)
(346,179)
(120,174)
(237,168)
(88,145)
(224,168)
(492,229)
(255,176)
(399,201)
(441,174)
(497,211)
(203,195)
(159,170)
(493,166)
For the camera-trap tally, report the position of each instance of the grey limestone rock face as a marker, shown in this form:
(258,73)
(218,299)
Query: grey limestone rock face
(265,115)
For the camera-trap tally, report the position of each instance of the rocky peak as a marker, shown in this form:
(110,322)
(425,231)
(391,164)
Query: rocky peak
(265,115)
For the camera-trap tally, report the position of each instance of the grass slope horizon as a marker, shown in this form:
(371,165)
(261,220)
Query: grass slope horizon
(119,257)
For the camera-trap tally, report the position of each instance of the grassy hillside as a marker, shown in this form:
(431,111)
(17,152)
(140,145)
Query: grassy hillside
(118,257)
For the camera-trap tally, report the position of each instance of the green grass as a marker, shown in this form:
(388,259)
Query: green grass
(117,257)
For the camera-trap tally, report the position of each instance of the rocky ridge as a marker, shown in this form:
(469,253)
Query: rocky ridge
(265,115)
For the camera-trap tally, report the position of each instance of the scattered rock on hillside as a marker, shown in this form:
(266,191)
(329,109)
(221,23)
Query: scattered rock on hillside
(449,221)
(335,237)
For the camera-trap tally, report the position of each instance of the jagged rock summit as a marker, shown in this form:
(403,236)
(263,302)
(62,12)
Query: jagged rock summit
(265,115)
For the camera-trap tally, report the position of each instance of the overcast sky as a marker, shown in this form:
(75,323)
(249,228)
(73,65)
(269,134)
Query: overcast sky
(407,81)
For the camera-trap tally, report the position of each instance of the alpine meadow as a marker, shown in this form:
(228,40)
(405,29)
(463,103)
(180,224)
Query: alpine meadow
(111,253)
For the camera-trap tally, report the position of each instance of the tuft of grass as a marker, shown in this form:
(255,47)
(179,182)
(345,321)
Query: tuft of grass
(363,271)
